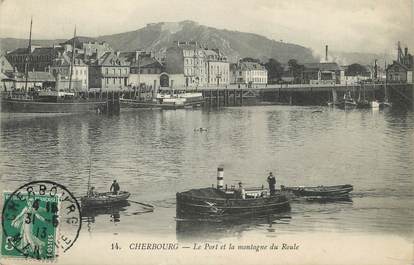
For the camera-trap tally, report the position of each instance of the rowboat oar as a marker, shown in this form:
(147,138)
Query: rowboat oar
(144,204)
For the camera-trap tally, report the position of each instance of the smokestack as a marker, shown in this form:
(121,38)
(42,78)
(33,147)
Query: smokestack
(220,178)
(406,51)
(326,53)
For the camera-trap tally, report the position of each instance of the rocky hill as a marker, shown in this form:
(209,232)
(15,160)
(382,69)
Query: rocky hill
(159,36)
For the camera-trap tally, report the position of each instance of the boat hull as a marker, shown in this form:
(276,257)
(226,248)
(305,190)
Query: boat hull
(189,206)
(320,191)
(105,199)
(30,106)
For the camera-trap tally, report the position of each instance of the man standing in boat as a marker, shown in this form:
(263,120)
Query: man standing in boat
(115,187)
(272,183)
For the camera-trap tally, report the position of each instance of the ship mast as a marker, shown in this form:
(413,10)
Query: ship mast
(72,60)
(29,50)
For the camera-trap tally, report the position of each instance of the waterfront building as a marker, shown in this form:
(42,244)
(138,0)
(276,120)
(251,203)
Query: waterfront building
(217,68)
(248,72)
(187,58)
(144,69)
(108,72)
(401,70)
(323,73)
(354,76)
(38,58)
(61,70)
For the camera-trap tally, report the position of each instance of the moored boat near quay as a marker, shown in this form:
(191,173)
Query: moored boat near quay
(21,105)
(222,203)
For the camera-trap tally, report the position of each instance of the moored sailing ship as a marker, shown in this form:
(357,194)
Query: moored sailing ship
(45,96)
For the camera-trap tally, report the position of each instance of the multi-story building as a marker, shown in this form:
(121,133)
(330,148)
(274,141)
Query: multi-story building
(199,65)
(187,58)
(109,72)
(217,68)
(248,72)
(61,67)
(402,69)
(37,58)
(145,69)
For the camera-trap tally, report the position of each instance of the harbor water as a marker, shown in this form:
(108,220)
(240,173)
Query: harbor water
(154,154)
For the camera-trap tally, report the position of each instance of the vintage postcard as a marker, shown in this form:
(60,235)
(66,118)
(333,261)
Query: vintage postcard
(207,132)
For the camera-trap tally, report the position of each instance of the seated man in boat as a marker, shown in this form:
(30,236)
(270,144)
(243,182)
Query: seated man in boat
(272,183)
(114,187)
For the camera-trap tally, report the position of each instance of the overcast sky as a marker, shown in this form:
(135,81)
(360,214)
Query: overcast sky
(346,25)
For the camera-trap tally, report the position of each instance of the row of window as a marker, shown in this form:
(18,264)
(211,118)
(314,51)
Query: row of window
(192,53)
(146,71)
(220,80)
(22,58)
(257,80)
(190,61)
(115,81)
(256,73)
(65,71)
(114,71)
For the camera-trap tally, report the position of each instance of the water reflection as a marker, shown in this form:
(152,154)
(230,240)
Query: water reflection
(190,230)
(155,154)
(112,212)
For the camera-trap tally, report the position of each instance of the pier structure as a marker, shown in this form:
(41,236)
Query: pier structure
(304,94)
(289,94)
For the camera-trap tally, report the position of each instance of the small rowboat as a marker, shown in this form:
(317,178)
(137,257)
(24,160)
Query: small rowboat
(104,199)
(320,191)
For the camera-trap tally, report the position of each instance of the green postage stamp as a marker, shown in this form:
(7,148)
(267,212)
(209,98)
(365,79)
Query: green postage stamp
(30,223)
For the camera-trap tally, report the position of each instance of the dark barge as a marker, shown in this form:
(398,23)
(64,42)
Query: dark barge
(223,203)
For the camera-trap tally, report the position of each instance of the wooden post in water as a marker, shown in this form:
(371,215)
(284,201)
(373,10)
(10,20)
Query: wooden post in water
(241,97)
(218,97)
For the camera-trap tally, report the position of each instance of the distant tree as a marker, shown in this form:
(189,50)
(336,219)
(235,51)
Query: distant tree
(249,59)
(296,70)
(274,70)
(356,69)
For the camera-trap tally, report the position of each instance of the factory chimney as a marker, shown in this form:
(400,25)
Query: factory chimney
(326,53)
(220,178)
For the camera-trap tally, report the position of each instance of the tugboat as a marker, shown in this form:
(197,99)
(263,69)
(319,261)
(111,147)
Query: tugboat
(222,203)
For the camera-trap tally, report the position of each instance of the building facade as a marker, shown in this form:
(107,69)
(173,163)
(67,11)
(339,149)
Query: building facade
(245,72)
(217,68)
(109,72)
(199,66)
(80,71)
(145,70)
(323,73)
(401,70)
(187,58)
